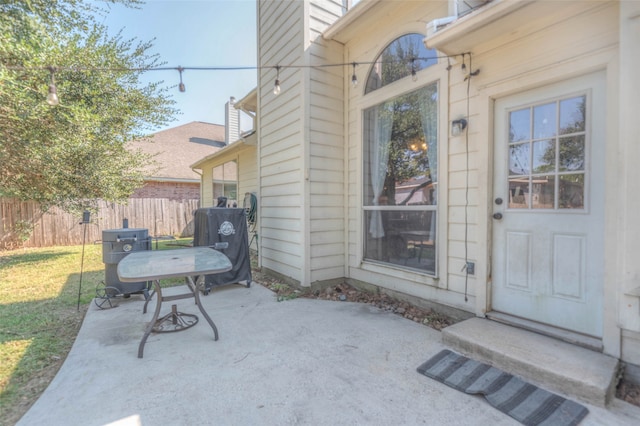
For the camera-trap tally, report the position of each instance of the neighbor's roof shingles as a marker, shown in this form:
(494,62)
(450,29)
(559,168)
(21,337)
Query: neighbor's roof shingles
(175,149)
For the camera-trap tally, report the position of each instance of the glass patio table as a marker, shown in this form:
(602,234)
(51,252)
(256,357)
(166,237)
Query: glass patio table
(161,264)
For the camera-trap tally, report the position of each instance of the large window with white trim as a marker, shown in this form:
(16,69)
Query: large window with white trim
(225,183)
(400,165)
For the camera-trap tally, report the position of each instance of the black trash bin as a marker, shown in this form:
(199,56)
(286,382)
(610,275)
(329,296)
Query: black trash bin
(116,245)
(224,229)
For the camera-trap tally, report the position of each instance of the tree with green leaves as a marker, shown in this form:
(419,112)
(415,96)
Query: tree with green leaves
(408,148)
(76,151)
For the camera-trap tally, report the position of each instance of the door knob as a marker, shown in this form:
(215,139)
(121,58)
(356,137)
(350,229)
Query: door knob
(497,216)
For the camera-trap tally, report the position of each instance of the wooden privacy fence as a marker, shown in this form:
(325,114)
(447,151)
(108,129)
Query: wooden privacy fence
(23,224)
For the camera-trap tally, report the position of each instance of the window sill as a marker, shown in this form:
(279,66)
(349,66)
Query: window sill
(411,275)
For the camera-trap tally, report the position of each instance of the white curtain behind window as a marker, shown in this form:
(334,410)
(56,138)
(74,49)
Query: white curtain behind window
(428,100)
(379,161)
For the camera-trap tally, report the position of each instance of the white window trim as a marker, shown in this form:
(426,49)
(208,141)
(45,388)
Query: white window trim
(433,74)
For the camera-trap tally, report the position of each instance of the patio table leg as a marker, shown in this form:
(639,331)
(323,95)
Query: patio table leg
(196,294)
(149,329)
(147,300)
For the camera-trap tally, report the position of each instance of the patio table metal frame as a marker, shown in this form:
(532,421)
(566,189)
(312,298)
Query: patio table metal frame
(162,264)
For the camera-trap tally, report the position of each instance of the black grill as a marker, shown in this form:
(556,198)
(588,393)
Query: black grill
(116,244)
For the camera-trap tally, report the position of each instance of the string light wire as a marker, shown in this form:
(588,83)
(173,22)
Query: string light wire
(181,69)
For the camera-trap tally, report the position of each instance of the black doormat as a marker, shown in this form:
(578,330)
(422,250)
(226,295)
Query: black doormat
(523,401)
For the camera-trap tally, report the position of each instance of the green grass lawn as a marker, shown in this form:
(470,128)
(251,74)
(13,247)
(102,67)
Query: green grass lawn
(39,315)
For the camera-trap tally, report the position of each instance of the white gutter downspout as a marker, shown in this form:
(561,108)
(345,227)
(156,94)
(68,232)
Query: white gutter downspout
(436,24)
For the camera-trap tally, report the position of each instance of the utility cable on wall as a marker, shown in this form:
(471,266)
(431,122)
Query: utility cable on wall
(471,74)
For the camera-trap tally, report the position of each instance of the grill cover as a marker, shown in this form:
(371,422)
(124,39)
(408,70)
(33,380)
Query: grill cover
(224,229)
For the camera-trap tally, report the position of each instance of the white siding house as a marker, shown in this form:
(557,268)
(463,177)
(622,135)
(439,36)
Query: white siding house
(300,151)
(525,214)
(232,171)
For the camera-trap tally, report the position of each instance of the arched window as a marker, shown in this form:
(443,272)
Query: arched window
(400,160)
(403,57)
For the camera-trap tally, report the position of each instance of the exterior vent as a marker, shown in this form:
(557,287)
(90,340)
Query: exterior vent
(465,7)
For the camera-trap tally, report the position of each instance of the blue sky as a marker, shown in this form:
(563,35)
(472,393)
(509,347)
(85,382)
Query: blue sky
(203,33)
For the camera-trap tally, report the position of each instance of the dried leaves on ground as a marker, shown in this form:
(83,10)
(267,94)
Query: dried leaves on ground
(628,392)
(347,293)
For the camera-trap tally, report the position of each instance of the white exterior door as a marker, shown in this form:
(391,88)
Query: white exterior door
(548,205)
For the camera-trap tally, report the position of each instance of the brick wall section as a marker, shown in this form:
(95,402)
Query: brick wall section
(170,190)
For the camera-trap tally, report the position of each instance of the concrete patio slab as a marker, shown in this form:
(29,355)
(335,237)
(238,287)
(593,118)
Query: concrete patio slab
(296,362)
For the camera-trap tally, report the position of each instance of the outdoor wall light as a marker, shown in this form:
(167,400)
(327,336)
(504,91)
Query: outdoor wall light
(458,126)
(52,96)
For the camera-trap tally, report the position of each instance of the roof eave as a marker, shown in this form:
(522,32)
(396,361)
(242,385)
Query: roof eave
(336,30)
(247,141)
(464,33)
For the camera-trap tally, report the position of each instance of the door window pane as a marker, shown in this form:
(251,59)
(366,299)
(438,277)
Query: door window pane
(572,153)
(546,168)
(518,193)
(519,159)
(544,121)
(544,156)
(571,191)
(572,115)
(519,125)
(543,194)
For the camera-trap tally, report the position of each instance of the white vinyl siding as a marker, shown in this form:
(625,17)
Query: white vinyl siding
(280,29)
(530,56)
(300,136)
(548,43)
(326,157)
(247,174)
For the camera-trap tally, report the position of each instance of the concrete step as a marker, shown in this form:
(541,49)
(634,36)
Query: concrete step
(547,362)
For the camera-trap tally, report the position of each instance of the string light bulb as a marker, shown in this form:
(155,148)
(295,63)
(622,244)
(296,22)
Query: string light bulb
(354,77)
(181,86)
(52,96)
(276,86)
